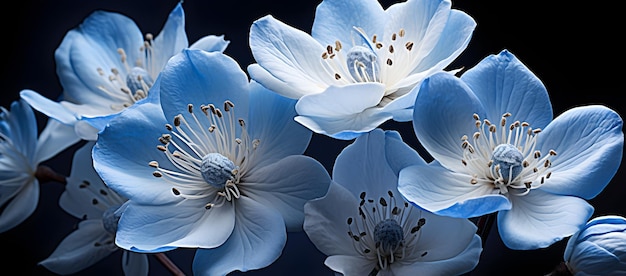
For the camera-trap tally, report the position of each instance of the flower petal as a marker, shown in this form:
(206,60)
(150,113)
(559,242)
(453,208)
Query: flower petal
(335,20)
(156,228)
(504,84)
(135,263)
(49,107)
(77,251)
(287,185)
(539,219)
(257,241)
(293,57)
(446,193)
(55,138)
(589,143)
(443,113)
(211,43)
(350,265)
(171,40)
(21,206)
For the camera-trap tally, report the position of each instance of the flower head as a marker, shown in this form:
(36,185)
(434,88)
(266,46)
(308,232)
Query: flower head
(497,149)
(367,228)
(599,248)
(106,64)
(86,197)
(358,67)
(214,163)
(22,150)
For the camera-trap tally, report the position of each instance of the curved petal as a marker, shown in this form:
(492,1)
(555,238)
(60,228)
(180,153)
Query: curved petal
(49,107)
(292,56)
(539,219)
(78,250)
(92,45)
(23,129)
(345,127)
(287,185)
(443,237)
(271,121)
(322,217)
(593,259)
(171,40)
(350,265)
(21,206)
(462,263)
(447,193)
(200,78)
(211,43)
(335,20)
(123,145)
(589,143)
(504,84)
(256,242)
(443,113)
(151,228)
(54,138)
(135,263)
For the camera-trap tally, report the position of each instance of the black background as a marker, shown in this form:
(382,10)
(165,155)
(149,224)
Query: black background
(573,47)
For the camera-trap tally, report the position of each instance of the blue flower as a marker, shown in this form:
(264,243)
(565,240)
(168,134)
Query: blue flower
(106,65)
(86,197)
(364,225)
(497,149)
(214,163)
(22,151)
(358,67)
(599,248)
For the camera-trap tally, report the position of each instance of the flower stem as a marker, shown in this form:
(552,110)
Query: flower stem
(560,270)
(167,263)
(484,225)
(46,174)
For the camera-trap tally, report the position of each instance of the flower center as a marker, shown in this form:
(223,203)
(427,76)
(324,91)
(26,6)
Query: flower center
(383,231)
(505,156)
(130,84)
(208,155)
(369,60)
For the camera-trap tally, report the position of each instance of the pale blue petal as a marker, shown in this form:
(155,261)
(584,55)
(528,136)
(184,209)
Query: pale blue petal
(442,237)
(459,264)
(345,127)
(271,121)
(443,114)
(444,192)
(589,143)
(211,43)
(78,250)
(292,56)
(378,149)
(504,84)
(324,217)
(94,45)
(334,20)
(21,206)
(153,228)
(23,129)
(539,219)
(130,142)
(256,242)
(259,73)
(135,263)
(172,38)
(286,185)
(49,107)
(350,265)
(54,138)
(200,78)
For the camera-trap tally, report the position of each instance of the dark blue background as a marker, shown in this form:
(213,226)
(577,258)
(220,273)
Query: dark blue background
(573,48)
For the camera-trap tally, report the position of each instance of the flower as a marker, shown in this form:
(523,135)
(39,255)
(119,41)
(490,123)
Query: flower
(385,235)
(105,65)
(86,197)
(599,248)
(497,149)
(22,151)
(228,181)
(358,67)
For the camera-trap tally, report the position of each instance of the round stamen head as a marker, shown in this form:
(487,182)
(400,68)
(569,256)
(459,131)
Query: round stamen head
(509,159)
(362,64)
(110,219)
(216,169)
(388,234)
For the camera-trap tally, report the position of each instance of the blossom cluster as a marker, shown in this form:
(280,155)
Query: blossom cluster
(177,145)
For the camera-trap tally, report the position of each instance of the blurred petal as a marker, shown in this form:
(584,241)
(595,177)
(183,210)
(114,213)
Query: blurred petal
(55,138)
(21,206)
(135,263)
